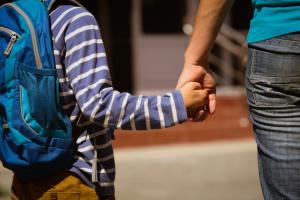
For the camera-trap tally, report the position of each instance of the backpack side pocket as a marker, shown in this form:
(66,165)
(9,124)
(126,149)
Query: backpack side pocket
(40,88)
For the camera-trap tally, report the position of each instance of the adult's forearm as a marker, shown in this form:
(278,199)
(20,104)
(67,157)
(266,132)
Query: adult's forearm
(210,16)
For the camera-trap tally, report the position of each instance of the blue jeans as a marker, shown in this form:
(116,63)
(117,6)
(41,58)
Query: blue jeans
(273,92)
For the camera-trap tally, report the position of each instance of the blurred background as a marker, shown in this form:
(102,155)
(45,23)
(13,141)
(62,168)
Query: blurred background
(145,42)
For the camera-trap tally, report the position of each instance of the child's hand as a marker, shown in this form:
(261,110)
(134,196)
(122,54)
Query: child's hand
(194,97)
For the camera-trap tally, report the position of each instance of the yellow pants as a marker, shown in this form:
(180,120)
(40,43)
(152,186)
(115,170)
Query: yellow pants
(63,186)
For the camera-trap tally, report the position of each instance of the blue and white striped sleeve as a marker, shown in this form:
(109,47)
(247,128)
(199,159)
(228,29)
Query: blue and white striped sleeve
(87,70)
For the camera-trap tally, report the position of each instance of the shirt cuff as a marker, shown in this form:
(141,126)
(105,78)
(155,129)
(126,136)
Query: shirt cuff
(180,107)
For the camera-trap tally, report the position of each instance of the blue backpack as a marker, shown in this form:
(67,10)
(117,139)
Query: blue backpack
(35,136)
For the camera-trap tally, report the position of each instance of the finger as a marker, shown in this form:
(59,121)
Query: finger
(204,94)
(190,73)
(202,98)
(200,116)
(212,103)
(194,85)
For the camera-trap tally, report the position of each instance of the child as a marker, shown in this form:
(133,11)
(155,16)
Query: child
(87,96)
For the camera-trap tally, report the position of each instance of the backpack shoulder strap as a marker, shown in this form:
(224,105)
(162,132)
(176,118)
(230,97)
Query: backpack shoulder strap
(53,4)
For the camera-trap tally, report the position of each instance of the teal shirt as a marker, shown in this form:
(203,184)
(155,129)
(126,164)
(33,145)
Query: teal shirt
(273,18)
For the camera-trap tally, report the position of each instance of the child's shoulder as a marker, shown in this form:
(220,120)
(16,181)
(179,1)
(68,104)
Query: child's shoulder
(69,12)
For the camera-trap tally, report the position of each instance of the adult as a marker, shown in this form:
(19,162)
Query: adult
(272,85)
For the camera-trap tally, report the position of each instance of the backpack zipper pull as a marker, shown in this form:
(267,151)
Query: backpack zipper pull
(95,161)
(95,168)
(11,43)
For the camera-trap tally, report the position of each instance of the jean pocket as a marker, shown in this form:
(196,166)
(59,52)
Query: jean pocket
(272,92)
(273,78)
(40,87)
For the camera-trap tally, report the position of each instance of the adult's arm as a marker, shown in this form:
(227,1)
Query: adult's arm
(210,16)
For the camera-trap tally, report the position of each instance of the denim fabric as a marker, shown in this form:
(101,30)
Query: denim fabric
(273,92)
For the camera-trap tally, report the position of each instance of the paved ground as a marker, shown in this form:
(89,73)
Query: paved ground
(212,171)
(5,181)
(204,171)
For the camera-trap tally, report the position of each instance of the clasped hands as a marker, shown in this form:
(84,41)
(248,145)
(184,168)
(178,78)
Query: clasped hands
(198,89)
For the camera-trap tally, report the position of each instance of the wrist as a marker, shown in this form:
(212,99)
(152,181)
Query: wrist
(190,61)
(196,68)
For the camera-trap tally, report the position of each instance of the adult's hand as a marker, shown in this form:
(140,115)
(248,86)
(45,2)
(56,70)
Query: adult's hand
(201,74)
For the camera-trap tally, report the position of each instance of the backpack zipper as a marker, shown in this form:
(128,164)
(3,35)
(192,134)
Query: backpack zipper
(13,38)
(37,57)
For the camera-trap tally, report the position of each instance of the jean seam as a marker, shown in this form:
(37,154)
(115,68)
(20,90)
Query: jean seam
(253,56)
(252,62)
(282,39)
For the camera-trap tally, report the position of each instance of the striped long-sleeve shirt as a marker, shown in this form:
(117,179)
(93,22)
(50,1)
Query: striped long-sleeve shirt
(88,98)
